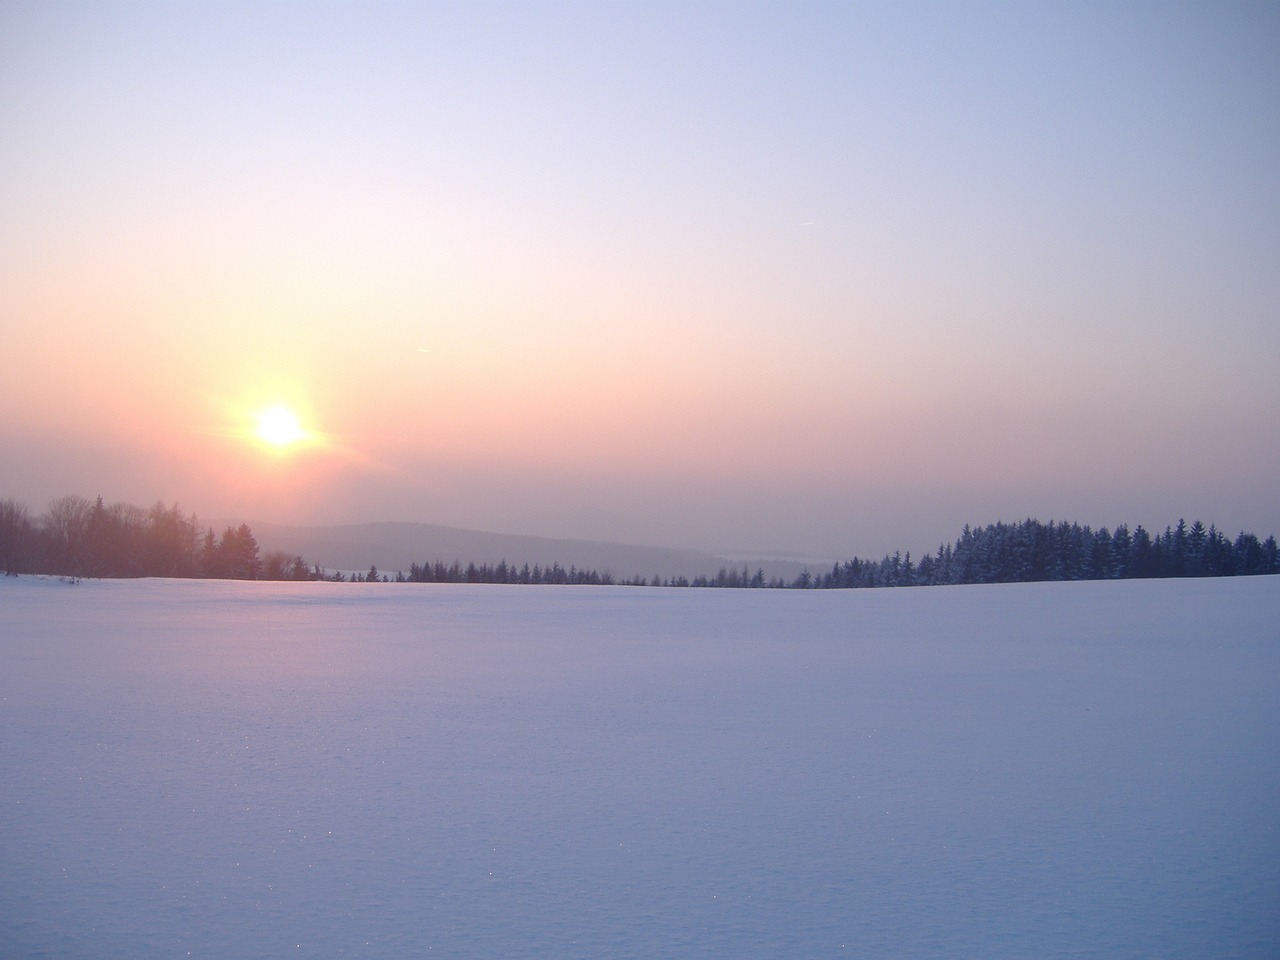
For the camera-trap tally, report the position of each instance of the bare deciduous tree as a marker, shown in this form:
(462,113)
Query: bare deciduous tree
(15,537)
(67,524)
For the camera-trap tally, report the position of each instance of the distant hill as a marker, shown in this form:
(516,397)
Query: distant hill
(394,546)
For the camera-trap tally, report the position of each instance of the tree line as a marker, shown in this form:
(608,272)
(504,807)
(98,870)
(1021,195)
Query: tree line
(553,573)
(999,553)
(1035,551)
(79,538)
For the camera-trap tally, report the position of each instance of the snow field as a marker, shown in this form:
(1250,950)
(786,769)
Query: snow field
(244,770)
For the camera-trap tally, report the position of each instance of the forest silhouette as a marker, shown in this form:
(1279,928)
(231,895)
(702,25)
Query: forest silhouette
(78,538)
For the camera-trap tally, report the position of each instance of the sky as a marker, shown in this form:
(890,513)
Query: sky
(823,279)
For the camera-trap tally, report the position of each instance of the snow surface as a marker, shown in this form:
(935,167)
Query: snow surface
(230,770)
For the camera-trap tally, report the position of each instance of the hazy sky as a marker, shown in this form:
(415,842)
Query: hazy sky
(828,278)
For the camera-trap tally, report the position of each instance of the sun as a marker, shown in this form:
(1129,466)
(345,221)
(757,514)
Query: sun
(278,428)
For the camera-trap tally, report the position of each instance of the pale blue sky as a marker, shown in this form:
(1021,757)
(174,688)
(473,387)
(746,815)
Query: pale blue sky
(830,278)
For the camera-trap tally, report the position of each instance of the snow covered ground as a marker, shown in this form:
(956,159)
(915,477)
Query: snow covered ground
(229,770)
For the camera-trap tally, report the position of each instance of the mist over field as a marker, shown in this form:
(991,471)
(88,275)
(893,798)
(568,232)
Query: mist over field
(395,547)
(258,770)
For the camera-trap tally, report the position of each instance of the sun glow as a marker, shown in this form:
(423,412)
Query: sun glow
(278,427)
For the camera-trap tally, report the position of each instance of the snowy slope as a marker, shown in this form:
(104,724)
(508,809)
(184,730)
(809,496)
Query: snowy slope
(230,770)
